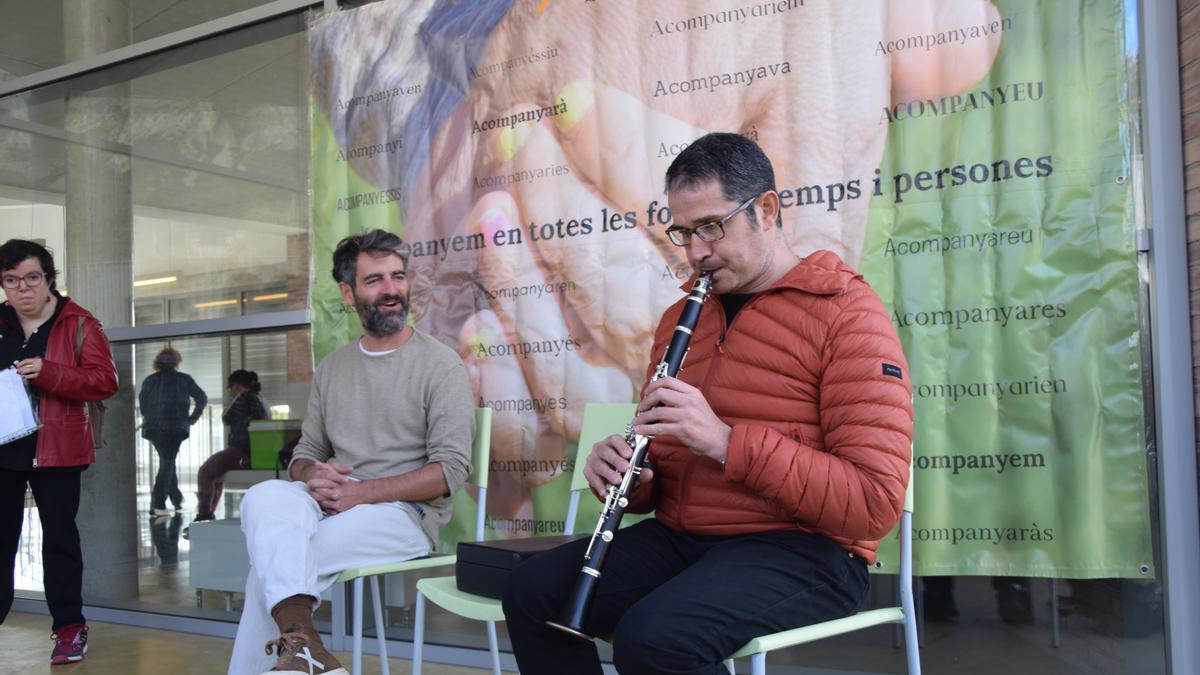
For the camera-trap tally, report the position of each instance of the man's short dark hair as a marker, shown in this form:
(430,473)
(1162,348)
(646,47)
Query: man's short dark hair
(736,162)
(16,251)
(376,243)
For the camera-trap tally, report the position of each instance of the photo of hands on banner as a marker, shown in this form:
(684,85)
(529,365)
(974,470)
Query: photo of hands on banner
(973,164)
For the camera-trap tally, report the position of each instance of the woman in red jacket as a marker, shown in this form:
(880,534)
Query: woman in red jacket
(61,351)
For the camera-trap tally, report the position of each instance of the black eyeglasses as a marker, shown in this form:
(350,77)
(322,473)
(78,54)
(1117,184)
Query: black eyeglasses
(32,279)
(708,232)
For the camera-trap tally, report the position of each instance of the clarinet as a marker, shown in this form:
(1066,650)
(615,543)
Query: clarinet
(572,616)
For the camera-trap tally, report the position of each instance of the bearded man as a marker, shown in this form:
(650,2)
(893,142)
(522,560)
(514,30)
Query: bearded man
(385,443)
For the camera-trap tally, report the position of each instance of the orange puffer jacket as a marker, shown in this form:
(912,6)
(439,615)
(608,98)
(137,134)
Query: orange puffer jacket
(813,380)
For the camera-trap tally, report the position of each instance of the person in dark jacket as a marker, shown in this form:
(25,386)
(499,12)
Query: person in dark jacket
(247,405)
(62,353)
(170,401)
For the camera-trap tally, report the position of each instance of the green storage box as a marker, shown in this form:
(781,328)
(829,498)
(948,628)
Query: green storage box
(267,438)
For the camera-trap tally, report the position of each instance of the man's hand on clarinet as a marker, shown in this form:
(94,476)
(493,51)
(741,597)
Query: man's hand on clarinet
(607,465)
(672,407)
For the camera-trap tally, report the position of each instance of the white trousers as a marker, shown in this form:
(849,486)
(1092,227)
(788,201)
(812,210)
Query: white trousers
(296,549)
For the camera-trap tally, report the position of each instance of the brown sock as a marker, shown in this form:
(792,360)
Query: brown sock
(295,613)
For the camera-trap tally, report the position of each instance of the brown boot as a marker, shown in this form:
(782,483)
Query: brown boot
(299,646)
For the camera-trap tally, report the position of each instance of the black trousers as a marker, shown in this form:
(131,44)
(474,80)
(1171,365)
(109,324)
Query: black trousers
(166,481)
(676,603)
(57,498)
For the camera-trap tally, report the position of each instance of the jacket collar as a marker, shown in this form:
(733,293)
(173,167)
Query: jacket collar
(71,308)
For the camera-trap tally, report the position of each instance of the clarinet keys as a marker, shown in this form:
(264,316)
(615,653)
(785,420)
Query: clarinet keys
(574,613)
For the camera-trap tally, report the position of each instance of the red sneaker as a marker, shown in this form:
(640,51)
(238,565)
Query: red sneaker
(70,644)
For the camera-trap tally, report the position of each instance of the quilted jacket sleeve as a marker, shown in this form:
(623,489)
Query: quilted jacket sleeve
(854,486)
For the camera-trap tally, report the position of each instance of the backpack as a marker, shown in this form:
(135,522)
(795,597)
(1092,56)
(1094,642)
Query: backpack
(95,409)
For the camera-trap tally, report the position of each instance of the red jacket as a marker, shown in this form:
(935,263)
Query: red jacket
(813,380)
(66,384)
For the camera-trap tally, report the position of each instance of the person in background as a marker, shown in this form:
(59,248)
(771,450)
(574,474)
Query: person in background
(247,405)
(171,402)
(62,353)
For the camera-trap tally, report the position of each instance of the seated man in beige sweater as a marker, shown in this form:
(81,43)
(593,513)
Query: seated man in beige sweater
(386,441)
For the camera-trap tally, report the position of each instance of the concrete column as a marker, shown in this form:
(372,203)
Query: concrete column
(98,274)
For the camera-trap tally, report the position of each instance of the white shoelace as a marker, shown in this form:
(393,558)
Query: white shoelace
(307,656)
(297,646)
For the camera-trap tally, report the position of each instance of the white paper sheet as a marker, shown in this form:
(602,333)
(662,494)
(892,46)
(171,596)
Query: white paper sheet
(17,419)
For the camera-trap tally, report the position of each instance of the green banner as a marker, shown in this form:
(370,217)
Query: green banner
(971,158)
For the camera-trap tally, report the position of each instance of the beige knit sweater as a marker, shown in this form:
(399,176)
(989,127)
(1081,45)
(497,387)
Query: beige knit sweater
(394,413)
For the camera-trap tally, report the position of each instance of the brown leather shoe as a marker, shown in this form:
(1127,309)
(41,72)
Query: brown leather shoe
(301,654)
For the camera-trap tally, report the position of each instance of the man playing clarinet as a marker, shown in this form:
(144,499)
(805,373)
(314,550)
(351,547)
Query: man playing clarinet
(779,457)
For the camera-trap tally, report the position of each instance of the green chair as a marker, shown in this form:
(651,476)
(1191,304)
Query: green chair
(905,614)
(267,438)
(599,420)
(480,452)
